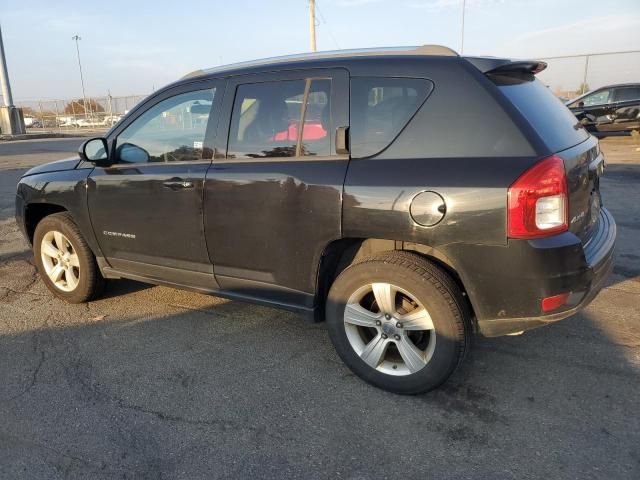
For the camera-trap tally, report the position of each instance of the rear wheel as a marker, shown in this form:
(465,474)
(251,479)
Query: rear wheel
(398,321)
(65,262)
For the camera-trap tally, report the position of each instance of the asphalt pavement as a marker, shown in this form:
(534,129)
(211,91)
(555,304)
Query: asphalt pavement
(151,382)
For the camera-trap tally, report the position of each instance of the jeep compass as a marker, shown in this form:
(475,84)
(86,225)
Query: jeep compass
(410,197)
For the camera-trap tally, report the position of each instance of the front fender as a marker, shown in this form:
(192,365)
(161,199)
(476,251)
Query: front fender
(64,189)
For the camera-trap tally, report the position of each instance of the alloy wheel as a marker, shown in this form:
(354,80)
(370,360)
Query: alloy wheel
(389,329)
(60,261)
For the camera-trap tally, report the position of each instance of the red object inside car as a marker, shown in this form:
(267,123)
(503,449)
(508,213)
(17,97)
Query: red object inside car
(311,131)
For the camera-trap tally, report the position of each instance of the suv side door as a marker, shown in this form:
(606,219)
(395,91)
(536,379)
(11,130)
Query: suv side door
(273,195)
(146,207)
(596,107)
(626,107)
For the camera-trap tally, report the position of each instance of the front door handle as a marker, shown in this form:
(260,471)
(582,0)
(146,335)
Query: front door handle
(178,184)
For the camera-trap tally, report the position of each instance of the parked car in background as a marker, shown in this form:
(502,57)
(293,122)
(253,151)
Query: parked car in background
(89,123)
(111,120)
(614,108)
(343,186)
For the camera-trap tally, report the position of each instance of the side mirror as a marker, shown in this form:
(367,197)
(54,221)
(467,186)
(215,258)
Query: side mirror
(130,153)
(94,150)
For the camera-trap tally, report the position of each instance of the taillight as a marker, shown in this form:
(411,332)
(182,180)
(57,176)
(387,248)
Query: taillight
(538,201)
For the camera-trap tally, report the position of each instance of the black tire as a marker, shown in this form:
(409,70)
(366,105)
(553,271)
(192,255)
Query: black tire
(431,286)
(90,281)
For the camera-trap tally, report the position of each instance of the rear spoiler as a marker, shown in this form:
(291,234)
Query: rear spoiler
(504,66)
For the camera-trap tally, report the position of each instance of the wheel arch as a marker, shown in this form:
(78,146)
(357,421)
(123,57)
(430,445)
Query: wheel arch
(35,212)
(341,253)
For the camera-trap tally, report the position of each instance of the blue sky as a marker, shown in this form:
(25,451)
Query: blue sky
(130,47)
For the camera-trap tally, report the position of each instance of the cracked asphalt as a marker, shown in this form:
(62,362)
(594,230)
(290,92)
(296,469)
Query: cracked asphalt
(150,382)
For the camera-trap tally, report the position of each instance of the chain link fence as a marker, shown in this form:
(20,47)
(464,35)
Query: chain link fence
(78,113)
(572,75)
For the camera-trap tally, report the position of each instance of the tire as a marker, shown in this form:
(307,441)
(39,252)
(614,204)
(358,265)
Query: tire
(430,303)
(80,280)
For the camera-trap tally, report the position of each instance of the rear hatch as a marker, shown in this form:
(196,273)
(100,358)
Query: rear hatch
(563,135)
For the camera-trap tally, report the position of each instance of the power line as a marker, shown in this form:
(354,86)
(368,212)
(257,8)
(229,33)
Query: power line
(324,21)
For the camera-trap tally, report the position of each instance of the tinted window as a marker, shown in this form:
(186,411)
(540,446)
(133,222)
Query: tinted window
(553,122)
(627,94)
(380,108)
(316,139)
(601,97)
(172,130)
(267,116)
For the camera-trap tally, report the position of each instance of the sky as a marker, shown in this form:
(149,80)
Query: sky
(136,46)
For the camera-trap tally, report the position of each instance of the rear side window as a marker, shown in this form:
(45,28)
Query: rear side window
(552,121)
(267,116)
(627,94)
(380,108)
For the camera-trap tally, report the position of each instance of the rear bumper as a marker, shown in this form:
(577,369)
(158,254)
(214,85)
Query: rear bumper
(583,283)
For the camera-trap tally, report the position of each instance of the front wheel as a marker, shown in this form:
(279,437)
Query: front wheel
(65,261)
(399,322)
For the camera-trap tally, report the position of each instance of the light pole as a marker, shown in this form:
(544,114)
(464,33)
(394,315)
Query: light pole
(11,122)
(464,7)
(84,97)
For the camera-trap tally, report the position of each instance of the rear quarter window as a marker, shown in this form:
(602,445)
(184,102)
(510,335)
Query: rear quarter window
(548,116)
(380,108)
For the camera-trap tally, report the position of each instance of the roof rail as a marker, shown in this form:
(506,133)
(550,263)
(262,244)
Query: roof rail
(435,50)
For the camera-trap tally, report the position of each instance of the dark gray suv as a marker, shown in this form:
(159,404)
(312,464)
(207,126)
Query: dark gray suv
(410,197)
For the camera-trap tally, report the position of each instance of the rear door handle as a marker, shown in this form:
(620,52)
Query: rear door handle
(178,184)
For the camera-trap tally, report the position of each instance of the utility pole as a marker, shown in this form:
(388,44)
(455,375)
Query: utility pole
(584,77)
(312,24)
(11,121)
(464,7)
(84,97)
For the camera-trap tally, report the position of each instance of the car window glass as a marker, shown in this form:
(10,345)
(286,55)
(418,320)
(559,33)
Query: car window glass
(601,97)
(554,123)
(266,117)
(315,139)
(627,94)
(172,130)
(380,108)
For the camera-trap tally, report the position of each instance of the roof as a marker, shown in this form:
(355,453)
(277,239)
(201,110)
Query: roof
(430,50)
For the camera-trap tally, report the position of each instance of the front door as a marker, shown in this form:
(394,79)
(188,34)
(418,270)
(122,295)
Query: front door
(596,108)
(146,208)
(273,195)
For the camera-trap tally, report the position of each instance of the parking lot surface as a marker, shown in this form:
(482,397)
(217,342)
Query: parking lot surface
(151,382)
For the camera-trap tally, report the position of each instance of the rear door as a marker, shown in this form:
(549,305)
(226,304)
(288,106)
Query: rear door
(274,192)
(626,108)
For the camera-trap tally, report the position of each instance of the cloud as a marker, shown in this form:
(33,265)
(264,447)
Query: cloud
(612,32)
(51,19)
(447,4)
(138,51)
(588,26)
(355,3)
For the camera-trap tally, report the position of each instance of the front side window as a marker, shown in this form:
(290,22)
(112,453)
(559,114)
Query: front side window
(172,130)
(601,97)
(267,116)
(380,108)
